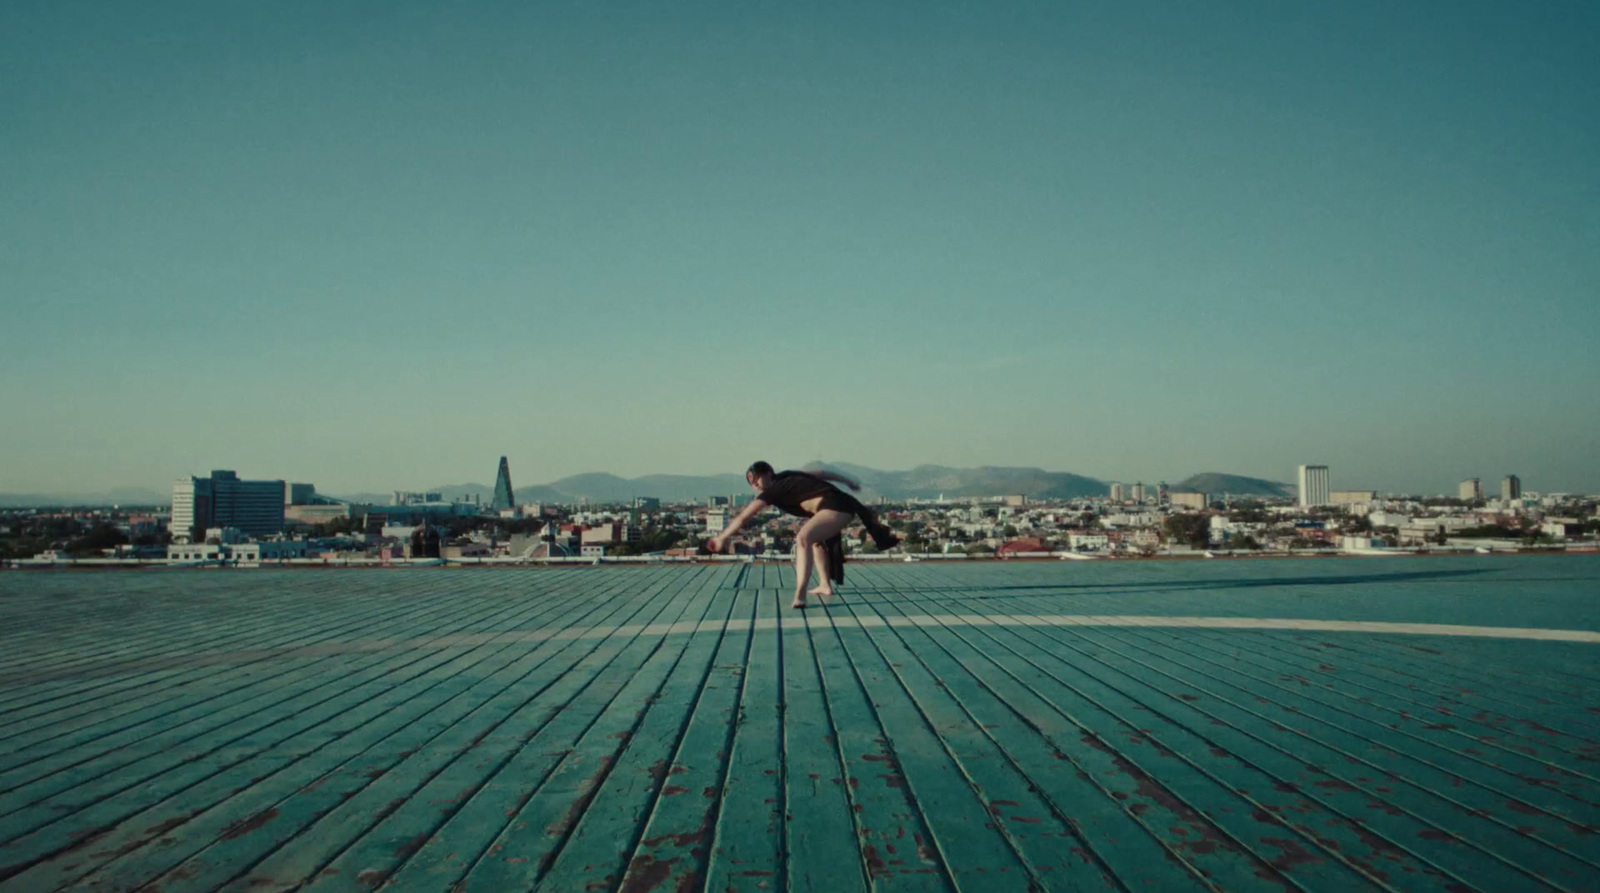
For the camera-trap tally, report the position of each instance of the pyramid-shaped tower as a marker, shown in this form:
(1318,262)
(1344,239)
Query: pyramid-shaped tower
(502,488)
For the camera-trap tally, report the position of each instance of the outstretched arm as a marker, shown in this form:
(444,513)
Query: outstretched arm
(755,507)
(830,476)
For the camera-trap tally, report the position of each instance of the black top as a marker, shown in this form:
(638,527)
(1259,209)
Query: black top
(790,488)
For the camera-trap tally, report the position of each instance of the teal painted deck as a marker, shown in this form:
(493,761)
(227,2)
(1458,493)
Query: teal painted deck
(941,727)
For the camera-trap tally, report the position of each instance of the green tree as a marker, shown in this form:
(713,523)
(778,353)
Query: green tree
(659,539)
(334,527)
(1191,530)
(99,537)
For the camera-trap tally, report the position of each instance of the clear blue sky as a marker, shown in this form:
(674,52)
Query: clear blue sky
(377,245)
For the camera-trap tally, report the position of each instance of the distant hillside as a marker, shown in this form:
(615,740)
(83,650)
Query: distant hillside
(602,487)
(1238,485)
(932,481)
(922,482)
(453,492)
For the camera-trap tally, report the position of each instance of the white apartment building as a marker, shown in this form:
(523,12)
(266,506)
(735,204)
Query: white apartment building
(1313,483)
(1088,542)
(1196,501)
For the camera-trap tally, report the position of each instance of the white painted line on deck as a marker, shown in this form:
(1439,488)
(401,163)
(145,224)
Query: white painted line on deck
(840,620)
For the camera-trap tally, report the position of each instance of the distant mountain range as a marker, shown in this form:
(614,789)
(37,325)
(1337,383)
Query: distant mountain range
(1237,485)
(922,482)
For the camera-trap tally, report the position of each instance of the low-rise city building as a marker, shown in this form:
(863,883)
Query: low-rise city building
(1195,501)
(1087,541)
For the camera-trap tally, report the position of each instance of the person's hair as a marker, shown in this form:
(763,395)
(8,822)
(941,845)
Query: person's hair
(758,469)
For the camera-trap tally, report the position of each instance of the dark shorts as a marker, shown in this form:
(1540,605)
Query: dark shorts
(840,502)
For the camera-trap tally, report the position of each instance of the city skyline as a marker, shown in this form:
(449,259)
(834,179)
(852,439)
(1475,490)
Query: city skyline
(366,247)
(1133,489)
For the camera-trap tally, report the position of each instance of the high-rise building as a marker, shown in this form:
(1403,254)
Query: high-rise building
(1313,483)
(1470,490)
(1511,487)
(1138,492)
(223,500)
(502,488)
(1119,492)
(1163,493)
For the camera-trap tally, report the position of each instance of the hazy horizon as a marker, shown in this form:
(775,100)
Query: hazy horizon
(1491,485)
(376,246)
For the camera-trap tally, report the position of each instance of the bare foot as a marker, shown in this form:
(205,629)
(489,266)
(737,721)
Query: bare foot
(823,592)
(799,601)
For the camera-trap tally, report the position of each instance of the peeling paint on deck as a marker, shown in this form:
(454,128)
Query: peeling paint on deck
(1424,725)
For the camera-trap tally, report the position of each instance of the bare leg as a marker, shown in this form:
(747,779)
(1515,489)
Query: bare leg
(802,572)
(814,532)
(819,554)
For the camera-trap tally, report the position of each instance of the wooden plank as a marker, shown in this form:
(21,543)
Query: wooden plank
(675,847)
(602,840)
(1088,732)
(541,823)
(748,850)
(544,819)
(218,806)
(474,797)
(1237,752)
(1037,801)
(823,852)
(976,852)
(89,655)
(156,709)
(324,780)
(897,850)
(155,706)
(498,722)
(97,804)
(1426,811)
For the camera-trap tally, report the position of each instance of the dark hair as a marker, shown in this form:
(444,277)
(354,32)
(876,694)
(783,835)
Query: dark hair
(758,469)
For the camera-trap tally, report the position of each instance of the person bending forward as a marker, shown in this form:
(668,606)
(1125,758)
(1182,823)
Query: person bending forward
(827,510)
